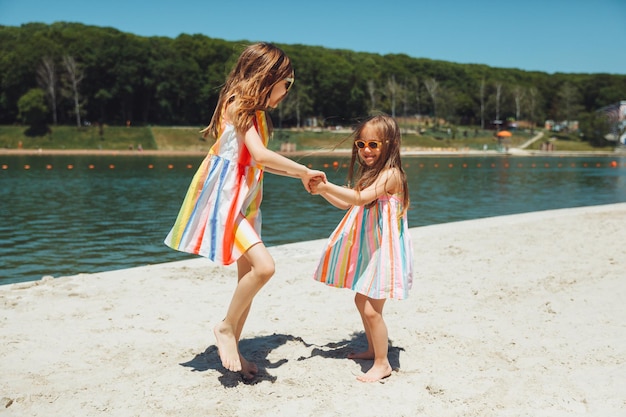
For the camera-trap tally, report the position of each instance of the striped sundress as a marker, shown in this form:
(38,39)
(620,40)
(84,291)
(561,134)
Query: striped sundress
(220,217)
(370,251)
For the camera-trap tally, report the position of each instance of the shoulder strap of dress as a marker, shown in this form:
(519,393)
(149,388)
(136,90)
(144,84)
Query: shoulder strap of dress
(260,122)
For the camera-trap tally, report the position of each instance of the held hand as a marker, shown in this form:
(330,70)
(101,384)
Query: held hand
(311,174)
(314,185)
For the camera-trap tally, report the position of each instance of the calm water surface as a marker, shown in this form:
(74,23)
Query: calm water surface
(82,214)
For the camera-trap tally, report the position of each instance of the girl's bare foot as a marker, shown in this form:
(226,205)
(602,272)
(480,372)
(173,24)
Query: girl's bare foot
(376,373)
(361,355)
(248,369)
(227,347)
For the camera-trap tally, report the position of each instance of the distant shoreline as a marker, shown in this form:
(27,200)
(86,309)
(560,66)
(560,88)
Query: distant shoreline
(337,152)
(105,152)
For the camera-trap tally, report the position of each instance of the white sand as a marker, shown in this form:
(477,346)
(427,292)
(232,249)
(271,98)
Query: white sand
(520,315)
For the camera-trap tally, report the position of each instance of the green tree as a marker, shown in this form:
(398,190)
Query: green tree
(432,86)
(48,81)
(533,100)
(482,103)
(393,92)
(74,76)
(32,111)
(593,128)
(297,103)
(162,80)
(568,102)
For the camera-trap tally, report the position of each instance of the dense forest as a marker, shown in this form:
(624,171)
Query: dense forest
(70,73)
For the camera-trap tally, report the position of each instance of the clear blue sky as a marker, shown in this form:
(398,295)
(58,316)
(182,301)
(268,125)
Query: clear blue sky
(570,36)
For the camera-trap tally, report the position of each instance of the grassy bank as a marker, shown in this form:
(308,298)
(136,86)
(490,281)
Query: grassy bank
(71,137)
(190,139)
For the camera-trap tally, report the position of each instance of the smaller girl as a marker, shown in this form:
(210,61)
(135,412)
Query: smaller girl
(370,251)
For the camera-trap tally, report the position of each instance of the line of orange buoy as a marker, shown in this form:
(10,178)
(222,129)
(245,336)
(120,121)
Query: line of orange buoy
(90,166)
(336,165)
(612,164)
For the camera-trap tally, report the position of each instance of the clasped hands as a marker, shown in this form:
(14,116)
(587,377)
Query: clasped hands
(312,180)
(314,184)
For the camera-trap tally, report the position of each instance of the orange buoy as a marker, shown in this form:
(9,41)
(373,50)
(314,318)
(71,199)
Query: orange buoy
(111,166)
(91,166)
(70,166)
(26,166)
(170,166)
(48,166)
(150,166)
(613,164)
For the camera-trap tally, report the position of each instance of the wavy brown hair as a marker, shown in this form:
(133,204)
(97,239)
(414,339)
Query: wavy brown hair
(249,85)
(388,132)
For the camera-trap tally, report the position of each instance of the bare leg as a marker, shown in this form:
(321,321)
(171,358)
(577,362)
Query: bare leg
(248,369)
(378,340)
(226,332)
(360,300)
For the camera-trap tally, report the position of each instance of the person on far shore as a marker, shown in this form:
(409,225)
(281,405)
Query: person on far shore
(370,251)
(220,217)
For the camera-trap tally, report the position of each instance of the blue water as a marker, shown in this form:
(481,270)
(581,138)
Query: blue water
(113,212)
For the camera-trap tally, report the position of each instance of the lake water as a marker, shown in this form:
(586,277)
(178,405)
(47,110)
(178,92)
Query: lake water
(64,215)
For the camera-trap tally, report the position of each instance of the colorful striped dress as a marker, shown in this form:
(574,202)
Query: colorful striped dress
(370,251)
(220,217)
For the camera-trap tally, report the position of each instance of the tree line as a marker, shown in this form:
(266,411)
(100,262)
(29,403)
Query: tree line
(67,73)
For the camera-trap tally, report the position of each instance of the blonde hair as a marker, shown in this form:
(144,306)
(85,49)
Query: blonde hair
(249,85)
(388,132)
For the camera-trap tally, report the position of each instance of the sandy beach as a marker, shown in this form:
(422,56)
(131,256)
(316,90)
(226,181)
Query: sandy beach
(520,315)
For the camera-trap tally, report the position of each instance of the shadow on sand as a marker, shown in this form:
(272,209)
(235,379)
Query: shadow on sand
(358,343)
(257,350)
